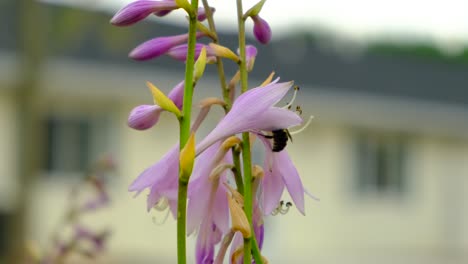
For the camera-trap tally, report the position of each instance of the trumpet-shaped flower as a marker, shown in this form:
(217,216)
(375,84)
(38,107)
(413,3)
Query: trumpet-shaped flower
(139,10)
(162,180)
(145,116)
(254,111)
(280,172)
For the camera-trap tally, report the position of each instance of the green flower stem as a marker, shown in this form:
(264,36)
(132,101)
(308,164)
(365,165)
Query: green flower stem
(257,255)
(237,170)
(246,159)
(185,133)
(219,62)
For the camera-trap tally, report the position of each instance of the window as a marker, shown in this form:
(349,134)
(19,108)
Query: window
(73,143)
(380,162)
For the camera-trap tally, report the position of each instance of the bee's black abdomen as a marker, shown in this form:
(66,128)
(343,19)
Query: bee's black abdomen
(280,139)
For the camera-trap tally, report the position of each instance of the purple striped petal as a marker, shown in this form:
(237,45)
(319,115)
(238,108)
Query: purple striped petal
(138,10)
(253,111)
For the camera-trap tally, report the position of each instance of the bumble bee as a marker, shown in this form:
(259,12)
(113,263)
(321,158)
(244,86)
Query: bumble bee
(280,139)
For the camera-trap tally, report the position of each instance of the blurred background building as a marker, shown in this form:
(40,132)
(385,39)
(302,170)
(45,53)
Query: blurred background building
(386,153)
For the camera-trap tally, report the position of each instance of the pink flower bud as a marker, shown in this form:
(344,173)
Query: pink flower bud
(138,10)
(180,52)
(202,13)
(262,31)
(156,47)
(144,116)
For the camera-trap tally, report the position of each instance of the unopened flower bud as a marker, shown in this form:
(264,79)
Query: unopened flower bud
(202,13)
(138,10)
(262,31)
(143,117)
(158,46)
(162,13)
(163,101)
(250,55)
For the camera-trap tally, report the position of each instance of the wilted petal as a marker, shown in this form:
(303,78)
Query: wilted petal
(262,31)
(138,10)
(144,116)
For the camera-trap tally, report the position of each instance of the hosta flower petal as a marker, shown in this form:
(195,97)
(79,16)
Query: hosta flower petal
(262,31)
(280,172)
(221,210)
(144,116)
(273,187)
(157,173)
(291,179)
(247,112)
(209,236)
(277,118)
(207,197)
(139,10)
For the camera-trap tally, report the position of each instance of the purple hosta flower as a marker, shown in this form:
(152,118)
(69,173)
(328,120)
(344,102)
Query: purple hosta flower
(180,52)
(138,10)
(145,116)
(280,172)
(262,31)
(250,55)
(162,180)
(158,46)
(208,205)
(254,111)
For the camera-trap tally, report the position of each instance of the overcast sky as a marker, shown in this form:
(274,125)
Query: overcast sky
(443,22)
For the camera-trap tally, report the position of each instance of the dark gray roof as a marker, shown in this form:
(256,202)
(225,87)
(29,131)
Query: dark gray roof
(299,57)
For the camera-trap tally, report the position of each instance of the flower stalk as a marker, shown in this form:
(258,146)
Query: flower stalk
(237,169)
(246,154)
(185,133)
(219,62)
